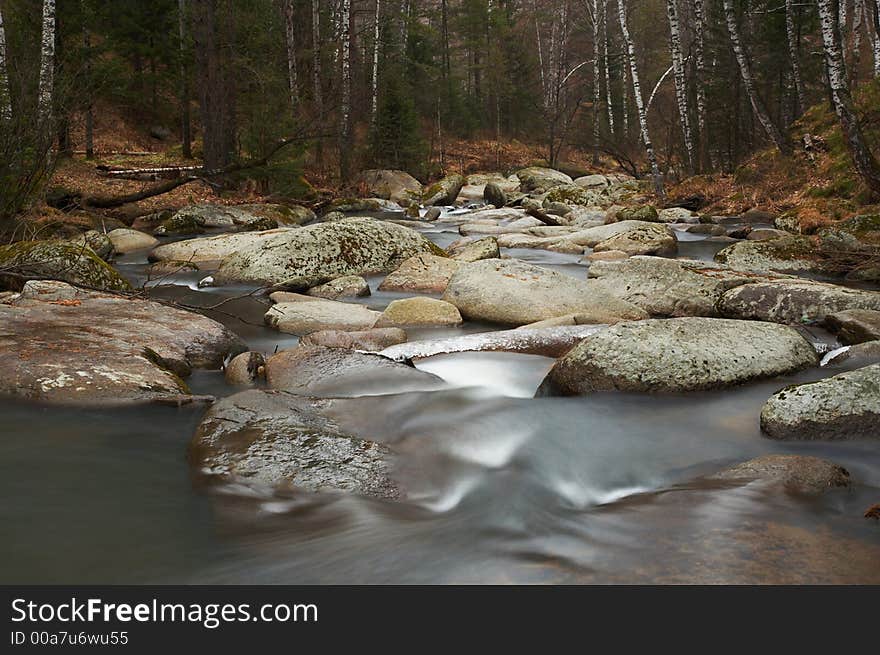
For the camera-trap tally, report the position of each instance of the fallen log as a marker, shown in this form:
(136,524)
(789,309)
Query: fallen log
(546,219)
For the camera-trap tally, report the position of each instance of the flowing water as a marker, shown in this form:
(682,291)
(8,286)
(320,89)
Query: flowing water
(501,487)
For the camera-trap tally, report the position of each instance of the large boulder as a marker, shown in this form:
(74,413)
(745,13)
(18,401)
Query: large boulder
(647,213)
(669,287)
(443,192)
(593,182)
(493,194)
(798,473)
(419,312)
(98,241)
(570,194)
(857,233)
(280,442)
(299,314)
(399,186)
(423,273)
(321,371)
(195,219)
(477,249)
(855,325)
(791,253)
(536,177)
(793,301)
(678,354)
(511,292)
(59,260)
(125,240)
(343,205)
(61,344)
(646,239)
(846,406)
(372,340)
(208,252)
(283,215)
(353,246)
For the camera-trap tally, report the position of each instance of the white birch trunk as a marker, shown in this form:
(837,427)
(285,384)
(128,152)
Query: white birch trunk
(290,39)
(680,84)
(345,105)
(374,106)
(793,55)
(47,61)
(5,95)
(874,31)
(541,53)
(858,14)
(637,94)
(597,91)
(316,57)
(748,81)
(608,98)
(699,54)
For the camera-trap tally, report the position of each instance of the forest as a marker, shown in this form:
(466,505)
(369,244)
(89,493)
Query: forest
(440,291)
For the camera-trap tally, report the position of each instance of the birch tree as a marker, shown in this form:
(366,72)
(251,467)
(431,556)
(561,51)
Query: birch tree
(679,78)
(374,95)
(794,56)
(699,55)
(608,97)
(185,118)
(595,20)
(47,61)
(345,104)
(863,159)
(748,81)
(5,95)
(637,94)
(290,41)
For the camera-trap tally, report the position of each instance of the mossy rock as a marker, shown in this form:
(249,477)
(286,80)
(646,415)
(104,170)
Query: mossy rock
(181,224)
(642,213)
(570,194)
(856,233)
(59,260)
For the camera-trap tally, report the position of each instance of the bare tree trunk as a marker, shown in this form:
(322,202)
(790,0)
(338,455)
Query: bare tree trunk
(595,21)
(745,71)
(863,159)
(345,104)
(87,71)
(608,96)
(875,34)
(47,62)
(541,51)
(317,93)
(374,106)
(794,56)
(637,94)
(185,118)
(858,14)
(290,42)
(680,83)
(699,54)
(5,95)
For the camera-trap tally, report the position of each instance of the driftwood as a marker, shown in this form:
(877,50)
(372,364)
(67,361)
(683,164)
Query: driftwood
(546,219)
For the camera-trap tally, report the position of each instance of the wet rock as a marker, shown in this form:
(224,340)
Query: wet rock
(432,214)
(757,216)
(479,249)
(298,314)
(790,253)
(195,219)
(419,312)
(652,239)
(125,240)
(343,205)
(678,354)
(444,192)
(855,325)
(423,273)
(606,256)
(347,286)
(98,241)
(320,371)
(536,177)
(493,194)
(398,186)
(208,252)
(860,354)
(354,246)
(245,369)
(61,260)
(593,236)
(282,215)
(170,267)
(765,234)
(282,442)
(793,301)
(511,292)
(669,287)
(647,213)
(372,340)
(846,406)
(706,228)
(798,473)
(66,345)
(677,215)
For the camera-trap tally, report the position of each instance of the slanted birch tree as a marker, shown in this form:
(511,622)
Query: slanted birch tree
(680,84)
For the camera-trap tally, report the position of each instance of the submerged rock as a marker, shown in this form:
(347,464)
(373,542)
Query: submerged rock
(66,345)
(60,260)
(798,473)
(419,312)
(423,273)
(372,340)
(678,354)
(511,292)
(282,442)
(354,246)
(846,406)
(298,314)
(793,301)
(855,325)
(321,371)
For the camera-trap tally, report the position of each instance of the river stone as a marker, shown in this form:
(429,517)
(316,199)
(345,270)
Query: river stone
(593,182)
(855,325)
(65,345)
(647,213)
(846,406)
(479,249)
(195,218)
(790,253)
(125,240)
(857,233)
(74,263)
(651,239)
(515,293)
(208,252)
(283,215)
(245,369)
(765,234)
(347,286)
(677,215)
(398,186)
(419,312)
(793,301)
(317,370)
(799,473)
(298,314)
(570,194)
(536,177)
(586,217)
(493,194)
(592,236)
(423,273)
(431,214)
(669,287)
(98,241)
(678,354)
(372,340)
(860,354)
(607,256)
(343,205)
(354,246)
(443,192)
(282,442)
